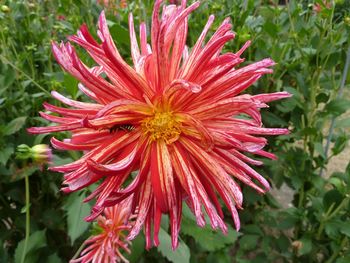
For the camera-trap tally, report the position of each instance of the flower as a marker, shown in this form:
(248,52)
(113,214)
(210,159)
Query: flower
(111,238)
(40,153)
(176,119)
(318,7)
(113,5)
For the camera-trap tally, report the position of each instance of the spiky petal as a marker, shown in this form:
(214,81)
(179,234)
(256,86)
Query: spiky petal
(176,118)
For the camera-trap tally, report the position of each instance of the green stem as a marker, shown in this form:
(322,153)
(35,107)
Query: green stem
(78,251)
(336,252)
(24,74)
(26,179)
(323,220)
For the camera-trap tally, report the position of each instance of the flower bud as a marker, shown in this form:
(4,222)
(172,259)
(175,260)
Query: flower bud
(41,153)
(5,9)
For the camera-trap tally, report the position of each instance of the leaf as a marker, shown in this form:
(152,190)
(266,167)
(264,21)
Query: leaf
(180,255)
(36,240)
(344,123)
(137,248)
(337,107)
(332,228)
(248,242)
(207,238)
(76,211)
(5,154)
(54,259)
(332,197)
(14,126)
(340,144)
(71,85)
(19,174)
(344,228)
(345,259)
(306,246)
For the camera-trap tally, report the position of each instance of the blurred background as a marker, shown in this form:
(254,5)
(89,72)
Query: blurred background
(305,218)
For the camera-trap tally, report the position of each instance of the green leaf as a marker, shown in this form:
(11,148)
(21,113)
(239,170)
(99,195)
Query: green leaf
(345,259)
(54,259)
(5,154)
(340,144)
(207,238)
(332,197)
(19,174)
(71,85)
(76,211)
(337,107)
(344,123)
(306,246)
(14,126)
(180,255)
(344,228)
(332,228)
(248,242)
(36,240)
(137,248)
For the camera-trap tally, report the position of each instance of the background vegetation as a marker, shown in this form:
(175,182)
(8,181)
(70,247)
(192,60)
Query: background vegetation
(310,42)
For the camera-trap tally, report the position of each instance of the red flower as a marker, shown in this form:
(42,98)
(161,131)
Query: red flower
(106,245)
(319,7)
(175,117)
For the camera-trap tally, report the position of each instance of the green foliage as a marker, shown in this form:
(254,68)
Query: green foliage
(310,50)
(76,211)
(36,241)
(181,254)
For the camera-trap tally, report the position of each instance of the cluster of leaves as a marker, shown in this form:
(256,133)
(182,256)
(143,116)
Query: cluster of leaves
(310,48)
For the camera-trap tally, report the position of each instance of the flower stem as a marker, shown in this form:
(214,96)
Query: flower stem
(24,74)
(78,251)
(26,179)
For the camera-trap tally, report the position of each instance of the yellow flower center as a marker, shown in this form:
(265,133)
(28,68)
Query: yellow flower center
(162,125)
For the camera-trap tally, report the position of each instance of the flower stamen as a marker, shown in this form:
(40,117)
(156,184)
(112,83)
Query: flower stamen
(162,126)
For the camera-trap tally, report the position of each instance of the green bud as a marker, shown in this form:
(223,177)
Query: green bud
(5,9)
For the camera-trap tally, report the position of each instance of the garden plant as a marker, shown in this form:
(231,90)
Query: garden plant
(141,131)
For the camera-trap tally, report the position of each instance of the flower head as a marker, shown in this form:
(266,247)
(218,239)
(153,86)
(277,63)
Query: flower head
(106,245)
(40,153)
(318,7)
(176,117)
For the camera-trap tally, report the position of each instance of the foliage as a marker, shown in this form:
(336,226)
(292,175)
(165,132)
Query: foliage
(310,49)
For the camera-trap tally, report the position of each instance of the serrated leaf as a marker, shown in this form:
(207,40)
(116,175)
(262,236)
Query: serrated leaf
(14,126)
(36,240)
(180,255)
(76,211)
(207,238)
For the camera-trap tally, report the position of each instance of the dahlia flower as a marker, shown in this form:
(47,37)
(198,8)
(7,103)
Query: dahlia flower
(112,226)
(176,118)
(40,153)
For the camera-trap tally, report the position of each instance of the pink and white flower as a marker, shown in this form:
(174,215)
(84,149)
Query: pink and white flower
(176,118)
(106,246)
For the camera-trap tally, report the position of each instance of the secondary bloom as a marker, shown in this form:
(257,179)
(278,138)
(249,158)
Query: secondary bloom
(105,246)
(176,118)
(39,154)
